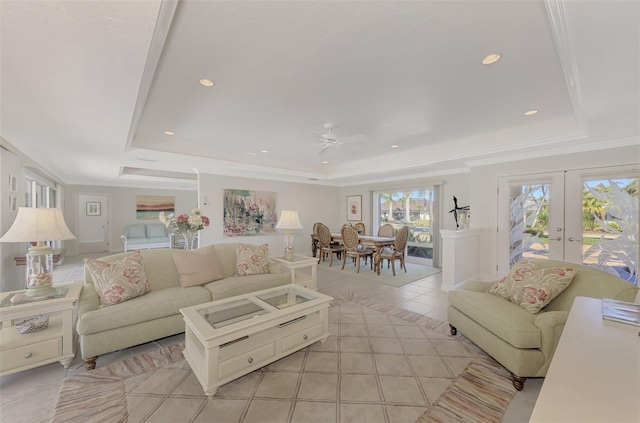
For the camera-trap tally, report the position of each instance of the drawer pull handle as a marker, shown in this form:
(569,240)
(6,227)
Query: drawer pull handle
(305,337)
(250,360)
(28,355)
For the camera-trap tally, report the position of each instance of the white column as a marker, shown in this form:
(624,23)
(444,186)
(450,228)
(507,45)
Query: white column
(460,256)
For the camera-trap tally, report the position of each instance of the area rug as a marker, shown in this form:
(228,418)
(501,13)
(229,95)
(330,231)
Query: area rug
(414,272)
(380,364)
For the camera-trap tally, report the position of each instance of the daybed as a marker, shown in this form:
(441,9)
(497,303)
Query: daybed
(522,341)
(155,314)
(139,236)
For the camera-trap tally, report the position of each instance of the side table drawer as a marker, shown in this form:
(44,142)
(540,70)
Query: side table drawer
(292,341)
(28,354)
(246,360)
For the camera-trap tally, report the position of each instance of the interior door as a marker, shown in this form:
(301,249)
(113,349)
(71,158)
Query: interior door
(582,216)
(93,223)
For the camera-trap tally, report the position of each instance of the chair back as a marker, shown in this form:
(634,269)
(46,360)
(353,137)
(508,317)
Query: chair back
(350,238)
(386,231)
(402,236)
(360,228)
(315,228)
(324,235)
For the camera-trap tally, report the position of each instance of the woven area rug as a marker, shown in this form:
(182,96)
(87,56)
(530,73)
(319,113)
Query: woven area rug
(414,272)
(380,364)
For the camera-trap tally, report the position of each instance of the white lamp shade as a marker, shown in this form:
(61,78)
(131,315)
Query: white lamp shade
(34,224)
(289,220)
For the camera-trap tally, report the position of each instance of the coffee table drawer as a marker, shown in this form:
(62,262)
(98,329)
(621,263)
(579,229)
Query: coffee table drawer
(28,354)
(293,341)
(244,361)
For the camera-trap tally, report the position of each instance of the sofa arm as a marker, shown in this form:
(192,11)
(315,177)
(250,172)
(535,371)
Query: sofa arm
(88,300)
(476,286)
(551,324)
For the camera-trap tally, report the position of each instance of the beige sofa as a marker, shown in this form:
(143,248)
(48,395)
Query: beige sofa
(156,314)
(523,342)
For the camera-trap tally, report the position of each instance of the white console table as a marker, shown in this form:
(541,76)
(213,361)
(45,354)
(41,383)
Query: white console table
(594,375)
(460,256)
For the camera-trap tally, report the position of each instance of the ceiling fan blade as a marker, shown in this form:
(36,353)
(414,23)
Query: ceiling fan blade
(324,148)
(353,139)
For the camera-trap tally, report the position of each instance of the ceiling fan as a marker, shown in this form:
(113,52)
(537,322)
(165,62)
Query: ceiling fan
(329,139)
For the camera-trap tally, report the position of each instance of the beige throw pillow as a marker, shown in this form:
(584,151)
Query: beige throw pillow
(532,288)
(119,281)
(252,259)
(198,267)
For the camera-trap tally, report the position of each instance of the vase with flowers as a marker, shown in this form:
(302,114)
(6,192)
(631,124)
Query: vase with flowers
(187,225)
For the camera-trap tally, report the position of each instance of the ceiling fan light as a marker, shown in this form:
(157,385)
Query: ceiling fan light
(491,58)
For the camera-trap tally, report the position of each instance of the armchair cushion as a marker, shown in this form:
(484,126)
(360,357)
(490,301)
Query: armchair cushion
(198,267)
(532,288)
(119,281)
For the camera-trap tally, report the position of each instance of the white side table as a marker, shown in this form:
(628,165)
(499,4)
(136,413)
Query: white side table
(55,343)
(300,262)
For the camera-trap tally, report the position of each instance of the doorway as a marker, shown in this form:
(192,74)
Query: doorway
(585,216)
(93,223)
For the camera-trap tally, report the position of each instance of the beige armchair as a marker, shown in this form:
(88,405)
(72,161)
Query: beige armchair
(521,341)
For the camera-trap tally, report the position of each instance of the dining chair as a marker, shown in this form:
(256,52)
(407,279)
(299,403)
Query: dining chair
(360,228)
(387,231)
(351,242)
(397,252)
(326,247)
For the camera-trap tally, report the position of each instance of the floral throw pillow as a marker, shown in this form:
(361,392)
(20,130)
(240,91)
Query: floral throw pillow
(120,281)
(252,259)
(532,288)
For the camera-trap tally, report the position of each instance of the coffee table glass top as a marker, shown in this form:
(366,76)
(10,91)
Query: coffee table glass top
(229,313)
(285,297)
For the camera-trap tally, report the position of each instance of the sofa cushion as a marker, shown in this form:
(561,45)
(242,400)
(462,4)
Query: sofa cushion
(503,318)
(119,281)
(136,231)
(154,305)
(531,287)
(238,285)
(156,230)
(252,259)
(198,267)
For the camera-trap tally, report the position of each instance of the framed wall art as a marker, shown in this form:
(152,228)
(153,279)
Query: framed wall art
(13,183)
(148,207)
(249,213)
(354,208)
(13,203)
(94,209)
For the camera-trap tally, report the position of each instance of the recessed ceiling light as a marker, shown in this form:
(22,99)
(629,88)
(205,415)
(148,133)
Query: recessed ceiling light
(207,83)
(168,133)
(264,151)
(145,159)
(531,112)
(492,58)
(394,146)
(325,162)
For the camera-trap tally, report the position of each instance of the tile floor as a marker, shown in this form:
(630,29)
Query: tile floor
(18,391)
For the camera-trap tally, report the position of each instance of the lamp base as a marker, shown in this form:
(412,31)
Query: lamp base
(288,255)
(40,290)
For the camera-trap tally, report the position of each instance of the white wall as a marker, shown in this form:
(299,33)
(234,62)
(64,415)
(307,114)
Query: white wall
(122,209)
(314,203)
(484,183)
(11,276)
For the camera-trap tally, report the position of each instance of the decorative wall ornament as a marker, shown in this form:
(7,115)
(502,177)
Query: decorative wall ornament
(148,207)
(455,210)
(354,207)
(249,213)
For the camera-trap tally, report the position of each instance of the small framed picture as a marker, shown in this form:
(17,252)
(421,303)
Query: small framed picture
(13,203)
(94,209)
(13,183)
(354,207)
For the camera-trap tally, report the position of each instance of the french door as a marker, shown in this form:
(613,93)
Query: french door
(583,216)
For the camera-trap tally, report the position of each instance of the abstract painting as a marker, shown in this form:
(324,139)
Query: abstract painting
(248,213)
(148,207)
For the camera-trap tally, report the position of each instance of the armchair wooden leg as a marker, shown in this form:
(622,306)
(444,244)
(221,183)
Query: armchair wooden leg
(90,363)
(454,331)
(518,382)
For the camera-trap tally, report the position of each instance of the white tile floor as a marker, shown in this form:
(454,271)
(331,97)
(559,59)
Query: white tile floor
(30,396)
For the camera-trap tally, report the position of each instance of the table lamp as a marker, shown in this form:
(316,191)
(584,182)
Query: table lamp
(38,225)
(288,220)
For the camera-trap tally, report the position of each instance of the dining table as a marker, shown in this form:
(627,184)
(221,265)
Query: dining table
(378,242)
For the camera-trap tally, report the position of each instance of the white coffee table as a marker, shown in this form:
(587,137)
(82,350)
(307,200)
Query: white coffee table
(229,338)
(55,343)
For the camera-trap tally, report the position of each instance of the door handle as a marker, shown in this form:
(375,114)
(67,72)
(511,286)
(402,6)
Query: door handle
(555,239)
(574,239)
